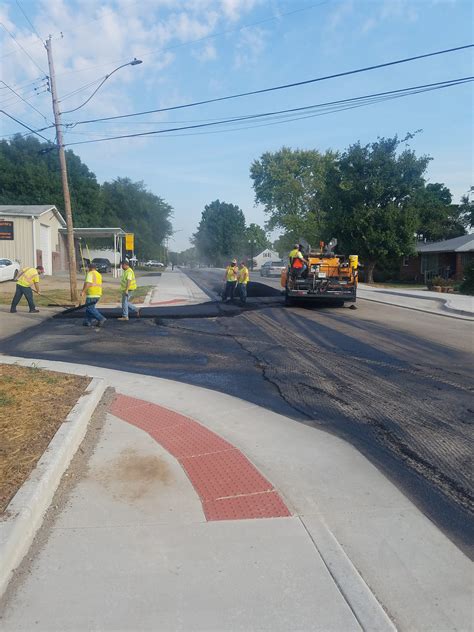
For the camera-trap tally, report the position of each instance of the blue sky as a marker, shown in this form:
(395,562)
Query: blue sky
(287,45)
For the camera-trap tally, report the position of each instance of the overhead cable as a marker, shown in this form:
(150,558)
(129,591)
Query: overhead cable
(26,126)
(394,93)
(23,49)
(29,22)
(280,87)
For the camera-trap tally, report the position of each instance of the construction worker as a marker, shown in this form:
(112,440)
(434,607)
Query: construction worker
(29,277)
(297,262)
(230,278)
(242,280)
(128,284)
(92,291)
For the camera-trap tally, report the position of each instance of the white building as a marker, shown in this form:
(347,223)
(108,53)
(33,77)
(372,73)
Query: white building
(30,235)
(263,257)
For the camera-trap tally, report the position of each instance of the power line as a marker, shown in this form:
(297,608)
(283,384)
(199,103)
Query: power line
(352,101)
(26,126)
(24,100)
(29,22)
(280,87)
(23,49)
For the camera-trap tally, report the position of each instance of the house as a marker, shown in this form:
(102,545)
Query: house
(31,235)
(447,259)
(266,255)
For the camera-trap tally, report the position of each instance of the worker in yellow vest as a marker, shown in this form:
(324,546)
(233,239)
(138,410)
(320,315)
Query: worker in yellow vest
(230,278)
(128,284)
(92,291)
(242,281)
(26,279)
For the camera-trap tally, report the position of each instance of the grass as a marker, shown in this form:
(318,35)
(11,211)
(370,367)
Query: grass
(63,297)
(33,404)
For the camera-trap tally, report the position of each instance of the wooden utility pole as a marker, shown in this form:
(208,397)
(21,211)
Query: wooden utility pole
(62,161)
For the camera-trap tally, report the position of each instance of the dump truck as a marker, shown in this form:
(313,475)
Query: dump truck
(328,278)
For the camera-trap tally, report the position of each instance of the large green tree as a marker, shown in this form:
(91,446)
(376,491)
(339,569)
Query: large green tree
(30,174)
(256,239)
(220,233)
(135,209)
(372,208)
(438,218)
(291,185)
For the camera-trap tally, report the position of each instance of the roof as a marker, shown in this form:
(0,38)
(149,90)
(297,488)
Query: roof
(465,243)
(96,232)
(32,210)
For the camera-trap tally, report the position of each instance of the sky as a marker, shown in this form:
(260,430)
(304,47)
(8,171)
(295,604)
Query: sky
(195,50)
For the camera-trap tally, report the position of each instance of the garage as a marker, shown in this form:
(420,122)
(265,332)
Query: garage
(30,236)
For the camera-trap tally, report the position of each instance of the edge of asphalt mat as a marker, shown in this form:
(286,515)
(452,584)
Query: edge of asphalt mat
(343,558)
(25,512)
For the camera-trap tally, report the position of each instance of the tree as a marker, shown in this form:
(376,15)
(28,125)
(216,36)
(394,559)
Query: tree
(31,177)
(373,192)
(291,184)
(466,210)
(285,243)
(437,217)
(135,209)
(256,234)
(221,232)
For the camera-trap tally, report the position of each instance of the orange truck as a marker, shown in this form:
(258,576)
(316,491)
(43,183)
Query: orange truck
(328,278)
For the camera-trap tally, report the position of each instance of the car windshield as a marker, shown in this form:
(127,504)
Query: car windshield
(5,262)
(277,263)
(100,260)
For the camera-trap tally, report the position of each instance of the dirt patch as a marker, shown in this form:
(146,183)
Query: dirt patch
(33,404)
(131,475)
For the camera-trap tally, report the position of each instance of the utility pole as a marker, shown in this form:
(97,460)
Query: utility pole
(62,161)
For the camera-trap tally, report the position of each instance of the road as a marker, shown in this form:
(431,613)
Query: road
(394,382)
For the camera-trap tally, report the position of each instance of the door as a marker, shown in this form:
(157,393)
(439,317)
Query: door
(45,246)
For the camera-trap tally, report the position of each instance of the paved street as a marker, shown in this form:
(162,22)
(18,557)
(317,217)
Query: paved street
(395,383)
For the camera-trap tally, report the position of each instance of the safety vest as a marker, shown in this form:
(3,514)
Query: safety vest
(296,259)
(128,275)
(95,289)
(243,277)
(231,273)
(28,277)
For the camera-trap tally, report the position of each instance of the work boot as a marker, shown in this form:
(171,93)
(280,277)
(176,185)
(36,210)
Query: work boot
(13,311)
(100,323)
(123,318)
(138,313)
(34,311)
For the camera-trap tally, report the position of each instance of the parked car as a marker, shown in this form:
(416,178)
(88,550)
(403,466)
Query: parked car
(272,268)
(154,264)
(9,269)
(102,264)
(83,263)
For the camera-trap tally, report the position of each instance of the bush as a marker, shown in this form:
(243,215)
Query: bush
(467,286)
(437,280)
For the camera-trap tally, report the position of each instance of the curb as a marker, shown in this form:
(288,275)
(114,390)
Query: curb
(456,314)
(364,604)
(445,302)
(27,508)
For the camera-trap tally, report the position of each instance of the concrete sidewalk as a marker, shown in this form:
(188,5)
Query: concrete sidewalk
(455,305)
(155,532)
(175,288)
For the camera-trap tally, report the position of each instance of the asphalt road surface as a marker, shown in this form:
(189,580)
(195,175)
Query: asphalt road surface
(394,382)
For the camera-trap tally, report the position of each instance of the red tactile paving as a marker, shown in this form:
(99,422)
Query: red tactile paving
(266,505)
(224,474)
(229,486)
(189,439)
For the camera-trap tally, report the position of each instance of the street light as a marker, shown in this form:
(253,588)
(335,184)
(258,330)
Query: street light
(252,243)
(134,62)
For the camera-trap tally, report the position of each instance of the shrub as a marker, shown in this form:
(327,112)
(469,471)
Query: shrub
(467,286)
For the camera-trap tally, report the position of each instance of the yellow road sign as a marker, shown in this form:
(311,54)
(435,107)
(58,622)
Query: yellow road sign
(129,241)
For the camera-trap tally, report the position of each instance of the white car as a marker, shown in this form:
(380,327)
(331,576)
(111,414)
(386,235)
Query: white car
(154,264)
(9,269)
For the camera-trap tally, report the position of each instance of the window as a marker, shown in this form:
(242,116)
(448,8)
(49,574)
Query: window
(406,262)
